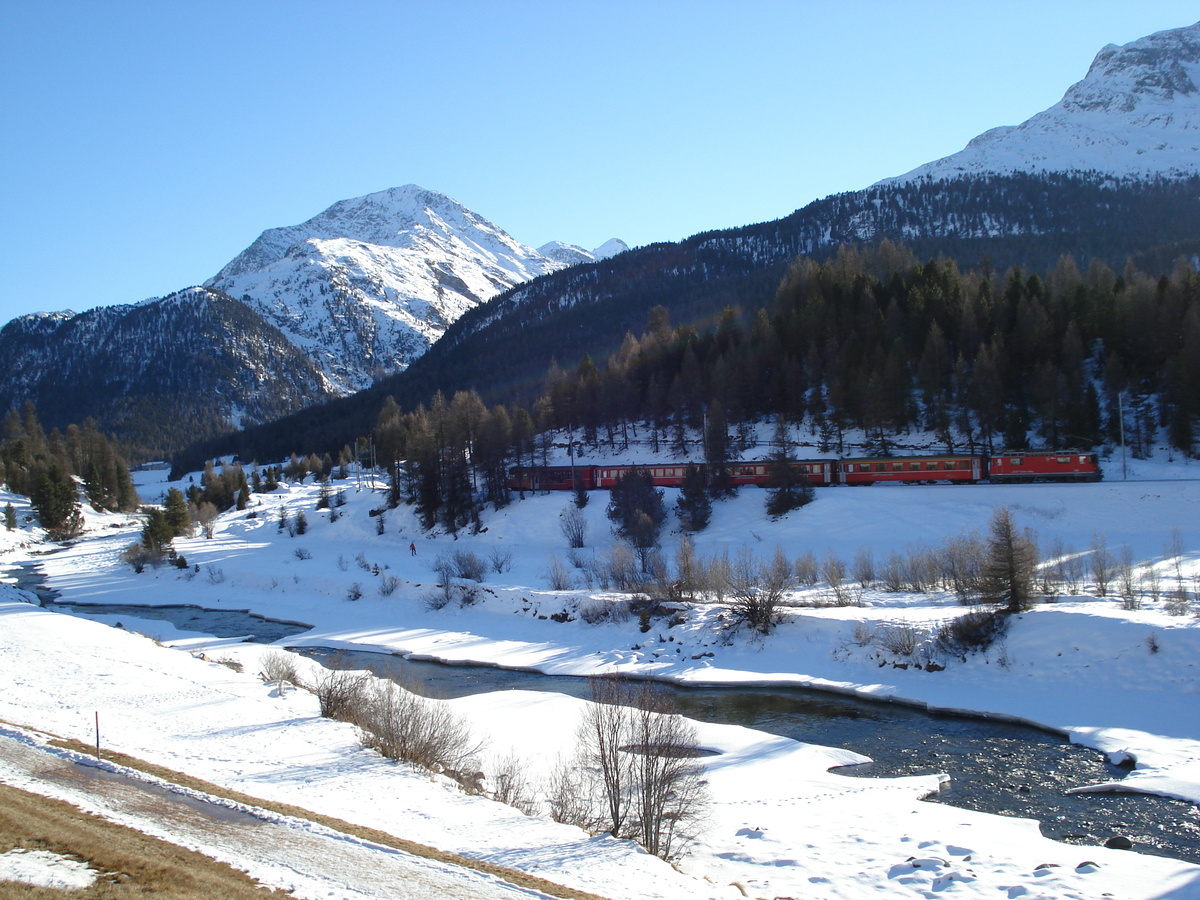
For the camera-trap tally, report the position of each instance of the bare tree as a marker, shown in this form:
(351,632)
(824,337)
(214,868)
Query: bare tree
(206,517)
(1125,575)
(1101,563)
(641,755)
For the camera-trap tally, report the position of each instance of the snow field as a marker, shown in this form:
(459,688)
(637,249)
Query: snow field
(782,824)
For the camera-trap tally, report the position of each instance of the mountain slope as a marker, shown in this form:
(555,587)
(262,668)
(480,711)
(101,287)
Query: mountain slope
(160,374)
(366,286)
(1136,112)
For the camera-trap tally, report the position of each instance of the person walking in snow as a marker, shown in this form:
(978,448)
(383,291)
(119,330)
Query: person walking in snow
(413,548)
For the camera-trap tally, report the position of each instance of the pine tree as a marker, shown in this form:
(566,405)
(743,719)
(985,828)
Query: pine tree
(1011,562)
(693,507)
(10,517)
(56,500)
(175,508)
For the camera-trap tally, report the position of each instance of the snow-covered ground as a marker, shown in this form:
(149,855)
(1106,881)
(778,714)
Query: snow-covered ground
(1124,681)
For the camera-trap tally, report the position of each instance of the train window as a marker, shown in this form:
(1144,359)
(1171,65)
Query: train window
(1064,459)
(914,467)
(880,467)
(1015,462)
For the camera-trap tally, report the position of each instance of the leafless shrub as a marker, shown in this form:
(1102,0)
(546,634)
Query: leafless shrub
(340,693)
(215,575)
(341,563)
(501,561)
(1151,584)
(1178,603)
(833,570)
(354,592)
(301,553)
(689,571)
(573,523)
(513,785)
(1126,581)
(903,639)
(619,568)
(571,795)
(279,668)
(139,556)
(1072,570)
(362,563)
(206,517)
(1101,563)
(962,566)
(864,567)
(466,564)
(598,611)
(863,635)
(757,589)
(718,575)
(971,631)
(405,726)
(388,585)
(1174,553)
(808,572)
(229,663)
(920,570)
(558,576)
(892,573)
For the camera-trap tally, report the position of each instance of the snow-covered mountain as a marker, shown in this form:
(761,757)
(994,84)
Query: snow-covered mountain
(572,254)
(367,285)
(1136,112)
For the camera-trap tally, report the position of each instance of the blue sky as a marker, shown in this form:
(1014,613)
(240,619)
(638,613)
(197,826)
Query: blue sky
(147,143)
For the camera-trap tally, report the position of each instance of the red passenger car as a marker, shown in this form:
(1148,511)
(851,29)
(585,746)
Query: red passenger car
(551,478)
(820,472)
(913,470)
(1023,465)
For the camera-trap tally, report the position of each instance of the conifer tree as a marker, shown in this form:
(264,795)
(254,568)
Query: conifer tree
(693,507)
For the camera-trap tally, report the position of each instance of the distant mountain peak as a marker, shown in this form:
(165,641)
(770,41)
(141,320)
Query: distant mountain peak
(366,285)
(1136,112)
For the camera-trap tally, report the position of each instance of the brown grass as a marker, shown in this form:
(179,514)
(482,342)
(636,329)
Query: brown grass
(129,864)
(513,876)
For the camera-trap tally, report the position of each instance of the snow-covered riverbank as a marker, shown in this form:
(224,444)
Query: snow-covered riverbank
(1123,681)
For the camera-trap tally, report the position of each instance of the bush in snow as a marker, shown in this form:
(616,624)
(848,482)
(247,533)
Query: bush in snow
(573,523)
(403,725)
(279,668)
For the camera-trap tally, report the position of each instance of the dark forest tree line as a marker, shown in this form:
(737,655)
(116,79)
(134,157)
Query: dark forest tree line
(872,340)
(875,341)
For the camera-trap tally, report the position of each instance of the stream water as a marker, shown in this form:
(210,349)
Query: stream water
(994,767)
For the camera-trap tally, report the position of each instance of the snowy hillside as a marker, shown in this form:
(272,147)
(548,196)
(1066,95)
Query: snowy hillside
(367,285)
(1137,112)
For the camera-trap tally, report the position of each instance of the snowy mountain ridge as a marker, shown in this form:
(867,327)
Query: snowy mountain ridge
(1136,112)
(367,285)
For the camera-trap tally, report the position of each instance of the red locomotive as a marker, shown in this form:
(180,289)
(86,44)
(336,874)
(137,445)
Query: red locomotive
(1044,466)
(958,469)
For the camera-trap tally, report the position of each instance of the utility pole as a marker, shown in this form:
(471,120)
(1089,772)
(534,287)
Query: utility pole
(1121,417)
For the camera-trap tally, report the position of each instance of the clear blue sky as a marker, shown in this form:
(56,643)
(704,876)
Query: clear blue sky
(147,143)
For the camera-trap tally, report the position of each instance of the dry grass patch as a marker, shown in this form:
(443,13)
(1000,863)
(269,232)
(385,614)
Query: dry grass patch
(512,876)
(129,864)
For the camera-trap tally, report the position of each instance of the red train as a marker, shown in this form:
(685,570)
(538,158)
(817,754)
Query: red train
(1023,466)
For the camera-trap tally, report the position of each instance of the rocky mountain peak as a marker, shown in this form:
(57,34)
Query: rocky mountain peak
(1136,112)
